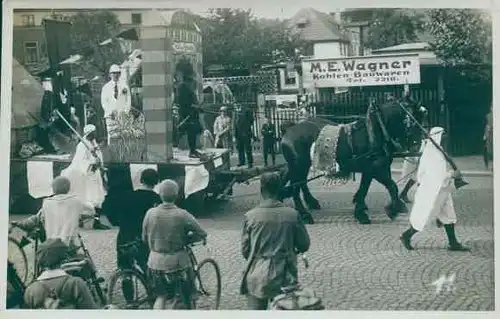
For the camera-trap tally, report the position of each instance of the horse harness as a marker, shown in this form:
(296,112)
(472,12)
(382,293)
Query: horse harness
(387,139)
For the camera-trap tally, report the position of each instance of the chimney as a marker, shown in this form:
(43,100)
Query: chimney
(337,16)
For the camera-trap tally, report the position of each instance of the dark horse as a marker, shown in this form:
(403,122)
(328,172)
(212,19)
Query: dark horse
(390,129)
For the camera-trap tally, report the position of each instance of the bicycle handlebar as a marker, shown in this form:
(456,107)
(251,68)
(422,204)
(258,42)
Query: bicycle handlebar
(198,243)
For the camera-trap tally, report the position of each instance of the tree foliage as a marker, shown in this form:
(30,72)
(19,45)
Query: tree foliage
(89,28)
(461,36)
(392,27)
(235,40)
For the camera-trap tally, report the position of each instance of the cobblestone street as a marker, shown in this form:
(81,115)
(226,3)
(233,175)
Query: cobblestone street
(355,267)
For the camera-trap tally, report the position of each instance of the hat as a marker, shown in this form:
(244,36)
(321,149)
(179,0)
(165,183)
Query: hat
(115,69)
(51,252)
(224,108)
(89,128)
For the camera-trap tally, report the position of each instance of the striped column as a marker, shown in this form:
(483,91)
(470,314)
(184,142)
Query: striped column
(157,70)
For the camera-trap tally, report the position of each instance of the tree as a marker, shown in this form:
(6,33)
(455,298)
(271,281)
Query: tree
(89,28)
(234,39)
(393,26)
(461,36)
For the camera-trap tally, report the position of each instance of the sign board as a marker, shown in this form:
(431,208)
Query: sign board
(361,71)
(184,47)
(282,98)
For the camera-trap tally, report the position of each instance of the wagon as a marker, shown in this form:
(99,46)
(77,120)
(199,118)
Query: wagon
(199,179)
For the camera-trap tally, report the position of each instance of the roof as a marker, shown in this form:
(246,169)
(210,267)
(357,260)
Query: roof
(170,17)
(415,46)
(320,26)
(426,56)
(27,94)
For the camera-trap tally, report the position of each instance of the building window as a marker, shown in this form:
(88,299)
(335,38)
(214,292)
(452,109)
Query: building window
(302,23)
(290,77)
(31,52)
(28,20)
(136,18)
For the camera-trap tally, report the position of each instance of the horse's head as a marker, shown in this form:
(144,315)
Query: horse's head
(401,118)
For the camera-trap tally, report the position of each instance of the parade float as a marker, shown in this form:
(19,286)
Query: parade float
(166,40)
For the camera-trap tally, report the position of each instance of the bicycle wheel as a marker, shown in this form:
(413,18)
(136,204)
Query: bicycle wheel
(97,293)
(138,294)
(208,285)
(18,258)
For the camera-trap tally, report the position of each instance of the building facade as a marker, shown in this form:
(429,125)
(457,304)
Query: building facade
(29,45)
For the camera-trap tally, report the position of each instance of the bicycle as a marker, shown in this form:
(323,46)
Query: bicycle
(80,267)
(19,246)
(177,276)
(294,297)
(85,269)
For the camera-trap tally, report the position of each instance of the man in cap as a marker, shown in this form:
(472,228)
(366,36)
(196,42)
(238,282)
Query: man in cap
(60,214)
(84,172)
(167,230)
(115,100)
(222,128)
(272,236)
(433,197)
(72,292)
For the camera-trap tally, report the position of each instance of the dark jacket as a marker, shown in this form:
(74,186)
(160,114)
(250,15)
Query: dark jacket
(186,98)
(267,131)
(243,121)
(73,291)
(272,236)
(47,108)
(130,221)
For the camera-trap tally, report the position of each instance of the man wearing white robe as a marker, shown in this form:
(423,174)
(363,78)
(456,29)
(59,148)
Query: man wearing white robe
(433,198)
(115,99)
(84,173)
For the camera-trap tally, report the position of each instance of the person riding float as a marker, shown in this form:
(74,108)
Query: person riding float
(189,114)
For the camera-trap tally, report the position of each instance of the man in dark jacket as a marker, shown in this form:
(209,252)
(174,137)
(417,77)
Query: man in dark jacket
(268,140)
(189,114)
(272,236)
(242,132)
(130,222)
(47,117)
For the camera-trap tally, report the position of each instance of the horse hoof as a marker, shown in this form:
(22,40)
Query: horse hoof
(364,221)
(392,215)
(362,218)
(314,205)
(307,218)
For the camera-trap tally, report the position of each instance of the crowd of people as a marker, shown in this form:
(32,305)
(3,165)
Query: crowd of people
(272,236)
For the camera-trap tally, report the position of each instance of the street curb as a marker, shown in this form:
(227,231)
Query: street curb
(464,173)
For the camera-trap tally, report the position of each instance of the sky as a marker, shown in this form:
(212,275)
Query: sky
(280,12)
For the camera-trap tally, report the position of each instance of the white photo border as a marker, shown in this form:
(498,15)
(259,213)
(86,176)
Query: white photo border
(5,120)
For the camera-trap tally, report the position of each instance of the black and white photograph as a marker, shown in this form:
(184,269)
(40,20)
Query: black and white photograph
(282,157)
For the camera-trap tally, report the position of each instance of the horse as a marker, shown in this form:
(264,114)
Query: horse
(365,146)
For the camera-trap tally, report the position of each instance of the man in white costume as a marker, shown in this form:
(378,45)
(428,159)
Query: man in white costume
(433,197)
(84,171)
(115,99)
